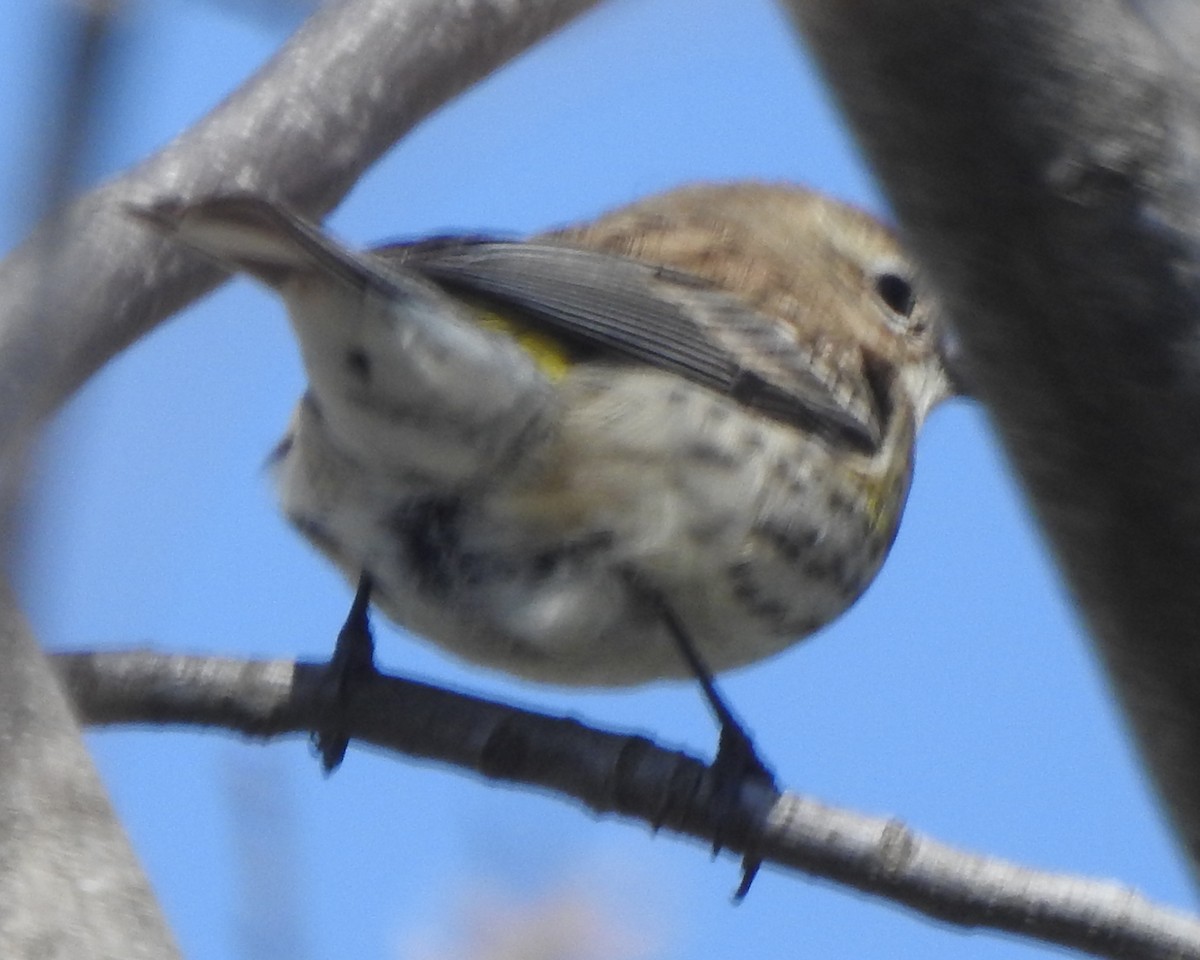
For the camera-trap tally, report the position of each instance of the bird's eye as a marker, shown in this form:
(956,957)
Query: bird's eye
(896,292)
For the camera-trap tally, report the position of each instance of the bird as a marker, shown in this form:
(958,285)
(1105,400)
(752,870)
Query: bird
(663,443)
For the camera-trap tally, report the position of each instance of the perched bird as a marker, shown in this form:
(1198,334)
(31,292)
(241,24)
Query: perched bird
(675,439)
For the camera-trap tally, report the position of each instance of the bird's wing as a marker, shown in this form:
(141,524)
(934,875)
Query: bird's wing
(656,315)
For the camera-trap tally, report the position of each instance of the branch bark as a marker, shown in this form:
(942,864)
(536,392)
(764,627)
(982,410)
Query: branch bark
(631,777)
(1044,163)
(70,886)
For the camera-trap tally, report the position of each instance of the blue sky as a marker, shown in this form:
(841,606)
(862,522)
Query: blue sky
(959,695)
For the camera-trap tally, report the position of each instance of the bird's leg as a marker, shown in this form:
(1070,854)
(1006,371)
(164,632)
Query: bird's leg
(736,762)
(353,658)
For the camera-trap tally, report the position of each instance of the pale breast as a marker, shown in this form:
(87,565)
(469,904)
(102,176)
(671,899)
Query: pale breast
(736,520)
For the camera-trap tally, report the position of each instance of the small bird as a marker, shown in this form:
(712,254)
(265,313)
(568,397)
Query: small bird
(668,442)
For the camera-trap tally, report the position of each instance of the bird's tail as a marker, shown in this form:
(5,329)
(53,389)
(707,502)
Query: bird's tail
(248,233)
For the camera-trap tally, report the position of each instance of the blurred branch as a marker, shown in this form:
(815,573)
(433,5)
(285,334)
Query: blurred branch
(1043,160)
(356,77)
(69,883)
(632,777)
(73,109)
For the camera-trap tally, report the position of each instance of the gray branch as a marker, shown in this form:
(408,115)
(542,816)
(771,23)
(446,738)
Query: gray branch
(70,886)
(1043,160)
(350,83)
(631,777)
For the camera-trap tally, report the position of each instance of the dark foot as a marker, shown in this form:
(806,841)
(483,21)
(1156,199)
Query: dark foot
(737,763)
(353,658)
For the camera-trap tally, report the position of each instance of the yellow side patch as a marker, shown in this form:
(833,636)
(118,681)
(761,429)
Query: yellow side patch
(880,499)
(549,354)
(883,496)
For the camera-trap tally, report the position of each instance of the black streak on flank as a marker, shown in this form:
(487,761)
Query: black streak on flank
(429,533)
(710,455)
(753,599)
(791,543)
(546,563)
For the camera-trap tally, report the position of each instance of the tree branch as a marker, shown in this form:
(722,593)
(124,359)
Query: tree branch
(354,79)
(632,777)
(57,831)
(1044,163)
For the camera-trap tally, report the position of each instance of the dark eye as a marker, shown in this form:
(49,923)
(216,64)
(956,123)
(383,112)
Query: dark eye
(896,292)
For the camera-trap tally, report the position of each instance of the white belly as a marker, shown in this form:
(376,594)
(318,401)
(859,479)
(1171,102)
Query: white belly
(648,482)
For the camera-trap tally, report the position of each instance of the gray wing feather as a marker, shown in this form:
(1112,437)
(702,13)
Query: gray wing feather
(659,316)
